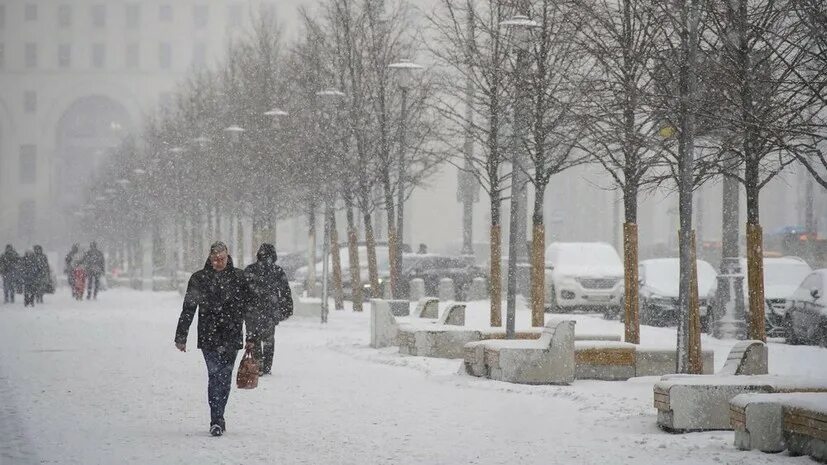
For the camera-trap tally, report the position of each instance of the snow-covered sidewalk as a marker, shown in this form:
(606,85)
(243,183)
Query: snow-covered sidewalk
(101,383)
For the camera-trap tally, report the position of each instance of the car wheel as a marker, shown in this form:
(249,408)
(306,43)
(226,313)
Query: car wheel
(553,307)
(643,312)
(792,339)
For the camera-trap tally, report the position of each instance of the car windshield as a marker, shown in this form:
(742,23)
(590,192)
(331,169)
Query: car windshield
(784,274)
(432,262)
(584,255)
(663,275)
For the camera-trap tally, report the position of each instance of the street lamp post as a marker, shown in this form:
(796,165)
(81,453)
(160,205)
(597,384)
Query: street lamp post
(277,114)
(405,70)
(332,98)
(521,28)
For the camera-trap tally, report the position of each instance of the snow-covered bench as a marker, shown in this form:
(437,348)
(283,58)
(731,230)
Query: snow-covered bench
(400,308)
(701,402)
(773,422)
(547,360)
(604,360)
(438,339)
(387,330)
(427,307)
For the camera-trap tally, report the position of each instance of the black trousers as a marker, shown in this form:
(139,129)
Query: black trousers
(29,294)
(265,348)
(8,289)
(92,280)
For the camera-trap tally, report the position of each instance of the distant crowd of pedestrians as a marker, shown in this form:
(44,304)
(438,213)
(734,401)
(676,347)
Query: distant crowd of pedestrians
(28,275)
(31,275)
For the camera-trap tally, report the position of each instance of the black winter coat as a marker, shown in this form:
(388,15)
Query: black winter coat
(224,302)
(274,301)
(94,262)
(29,271)
(8,263)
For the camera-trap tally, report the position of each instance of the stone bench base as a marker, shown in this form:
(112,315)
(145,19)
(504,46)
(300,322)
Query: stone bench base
(422,341)
(702,402)
(774,422)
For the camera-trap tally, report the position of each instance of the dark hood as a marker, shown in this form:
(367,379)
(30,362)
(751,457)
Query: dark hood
(208,265)
(267,253)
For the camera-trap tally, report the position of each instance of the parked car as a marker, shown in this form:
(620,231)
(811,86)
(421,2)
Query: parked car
(292,261)
(659,282)
(584,275)
(806,319)
(433,267)
(382,266)
(782,276)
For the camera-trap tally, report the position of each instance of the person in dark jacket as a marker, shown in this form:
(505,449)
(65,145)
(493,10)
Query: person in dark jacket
(273,303)
(94,264)
(223,295)
(44,281)
(8,269)
(29,275)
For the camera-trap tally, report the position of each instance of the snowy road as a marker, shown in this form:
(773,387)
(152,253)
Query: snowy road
(101,383)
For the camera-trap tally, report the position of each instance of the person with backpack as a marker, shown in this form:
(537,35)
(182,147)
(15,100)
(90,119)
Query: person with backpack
(273,303)
(223,296)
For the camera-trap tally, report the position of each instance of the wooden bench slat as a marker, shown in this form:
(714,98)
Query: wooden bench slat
(603,357)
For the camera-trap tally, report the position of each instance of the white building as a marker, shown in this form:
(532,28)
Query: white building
(75,76)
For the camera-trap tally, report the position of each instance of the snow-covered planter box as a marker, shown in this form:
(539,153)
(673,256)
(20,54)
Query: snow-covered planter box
(547,360)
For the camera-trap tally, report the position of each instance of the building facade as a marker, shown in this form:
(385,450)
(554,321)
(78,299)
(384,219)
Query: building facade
(76,76)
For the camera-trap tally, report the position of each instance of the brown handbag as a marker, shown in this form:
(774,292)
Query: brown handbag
(247,377)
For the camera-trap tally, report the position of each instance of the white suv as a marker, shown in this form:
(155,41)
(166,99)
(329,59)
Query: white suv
(583,275)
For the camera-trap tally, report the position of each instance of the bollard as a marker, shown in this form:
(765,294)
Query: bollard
(417,289)
(446,289)
(479,289)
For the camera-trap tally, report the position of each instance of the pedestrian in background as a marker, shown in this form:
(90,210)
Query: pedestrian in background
(8,269)
(29,273)
(273,303)
(44,281)
(94,264)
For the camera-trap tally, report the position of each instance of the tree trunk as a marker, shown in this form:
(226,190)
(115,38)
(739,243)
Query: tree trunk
(631,299)
(687,83)
(370,242)
(311,250)
(496,280)
(338,294)
(538,262)
(755,262)
(695,360)
(392,237)
(353,255)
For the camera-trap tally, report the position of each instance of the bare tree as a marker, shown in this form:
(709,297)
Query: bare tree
(754,73)
(621,131)
(471,52)
(678,34)
(550,91)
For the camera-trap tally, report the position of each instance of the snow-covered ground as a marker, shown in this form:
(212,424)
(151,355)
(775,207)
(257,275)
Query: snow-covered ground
(102,383)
